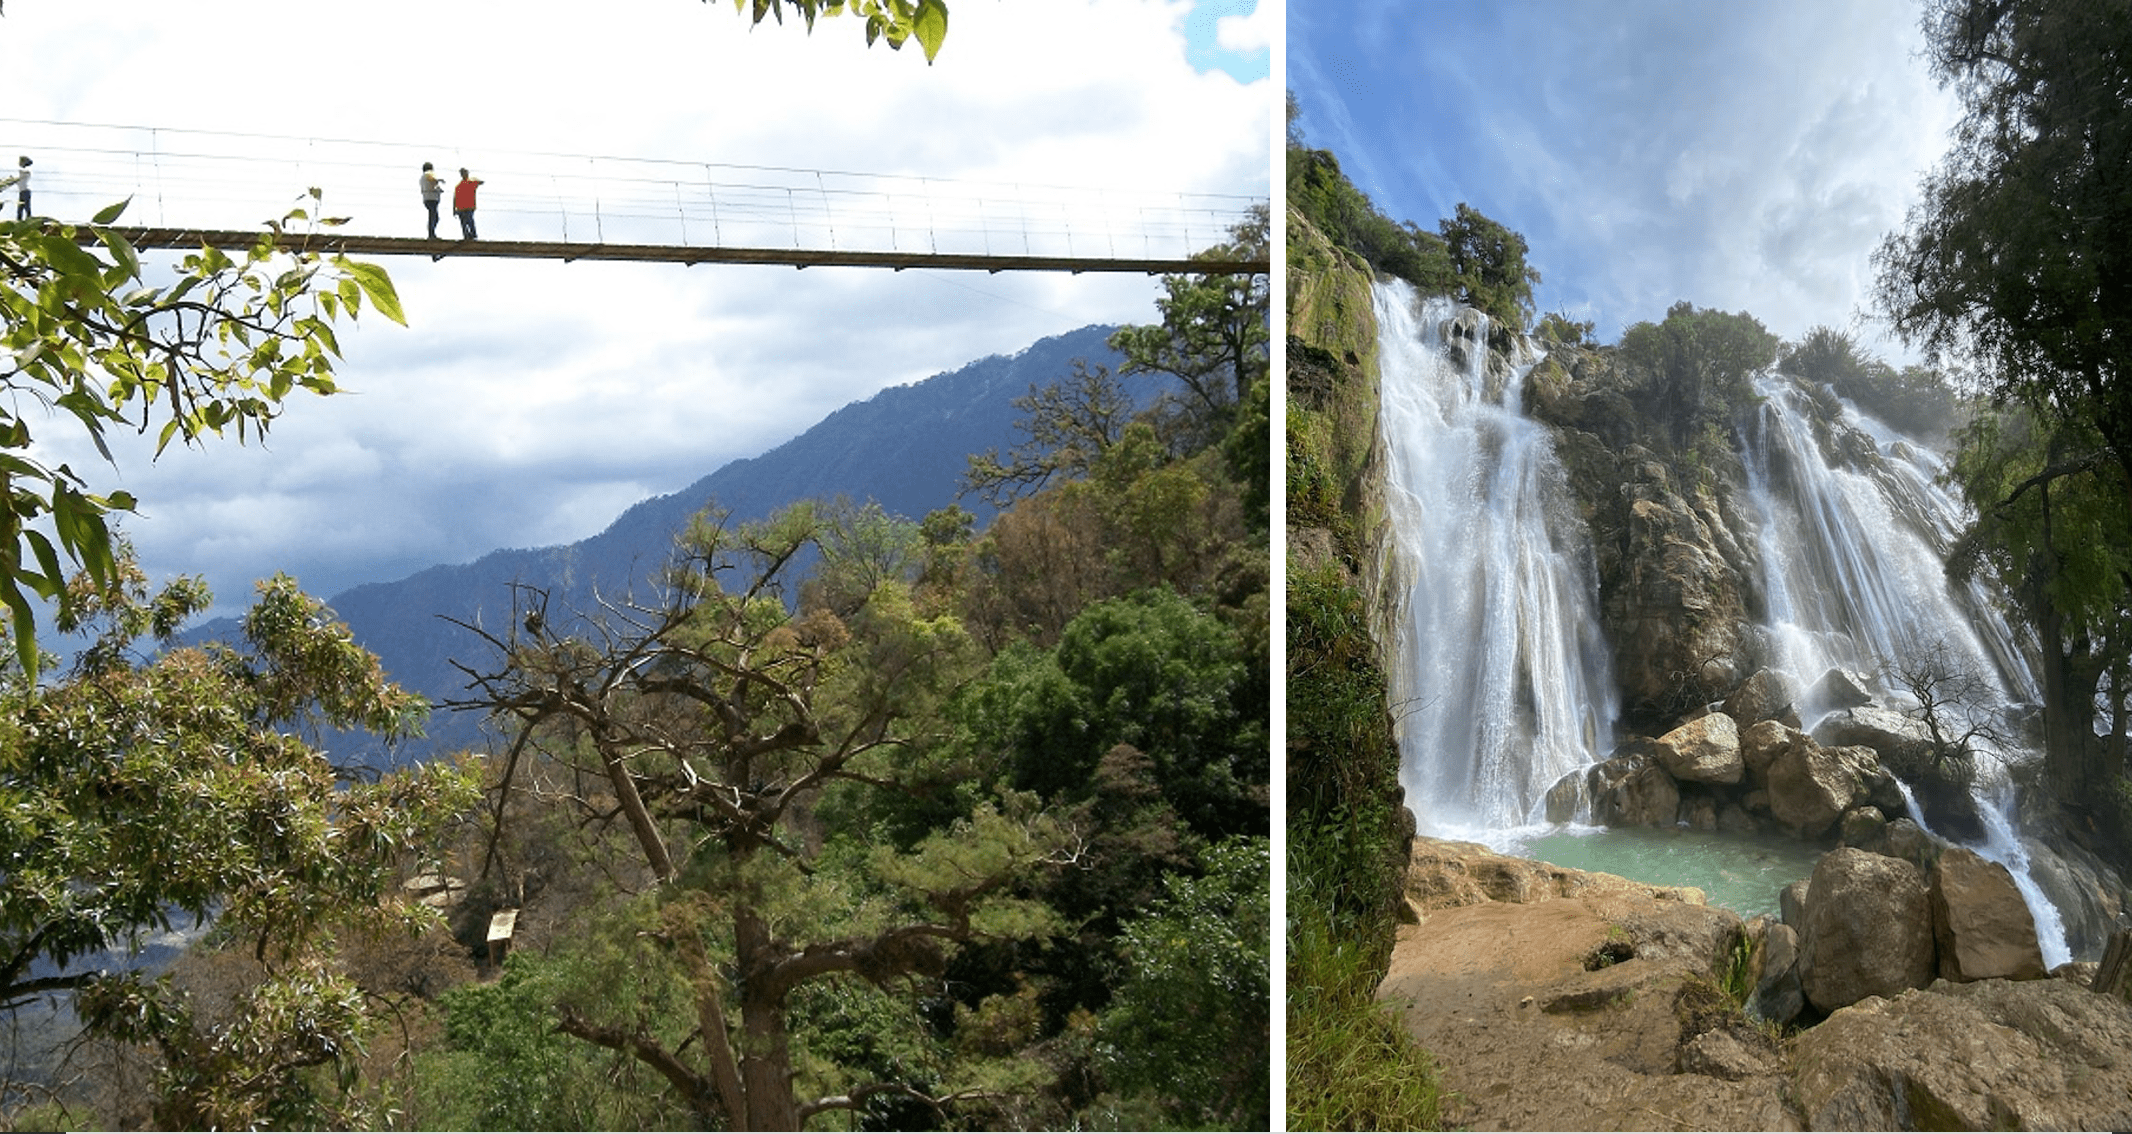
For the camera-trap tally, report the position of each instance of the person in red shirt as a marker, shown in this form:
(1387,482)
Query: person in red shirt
(463,203)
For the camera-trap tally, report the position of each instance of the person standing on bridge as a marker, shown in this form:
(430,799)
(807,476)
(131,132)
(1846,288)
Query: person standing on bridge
(21,182)
(463,202)
(432,193)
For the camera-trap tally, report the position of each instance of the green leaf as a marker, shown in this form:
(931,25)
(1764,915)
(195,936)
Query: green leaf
(111,213)
(931,26)
(375,284)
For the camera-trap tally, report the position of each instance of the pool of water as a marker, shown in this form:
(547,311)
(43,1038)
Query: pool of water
(1742,873)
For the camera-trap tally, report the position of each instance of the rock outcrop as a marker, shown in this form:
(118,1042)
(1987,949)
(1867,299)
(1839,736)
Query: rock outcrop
(1563,999)
(1993,1055)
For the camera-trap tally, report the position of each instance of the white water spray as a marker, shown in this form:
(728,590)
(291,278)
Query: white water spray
(1499,674)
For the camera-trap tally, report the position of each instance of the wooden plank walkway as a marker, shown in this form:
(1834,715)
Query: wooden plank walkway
(353,244)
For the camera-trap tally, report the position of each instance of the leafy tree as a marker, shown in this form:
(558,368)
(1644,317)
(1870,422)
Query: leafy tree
(1558,328)
(1321,192)
(220,347)
(1490,263)
(140,791)
(2018,259)
(708,727)
(2018,256)
(1213,332)
(1070,425)
(1189,1023)
(1700,360)
(1914,399)
(894,21)
(2053,528)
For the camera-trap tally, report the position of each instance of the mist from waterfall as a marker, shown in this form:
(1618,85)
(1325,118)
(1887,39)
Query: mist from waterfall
(1499,673)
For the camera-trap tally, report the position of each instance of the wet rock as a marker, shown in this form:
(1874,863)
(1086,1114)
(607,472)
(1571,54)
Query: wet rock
(1981,927)
(1566,800)
(1837,689)
(1778,995)
(1863,827)
(1767,695)
(2089,896)
(1885,731)
(1868,929)
(1906,840)
(1706,750)
(1633,791)
(1992,1055)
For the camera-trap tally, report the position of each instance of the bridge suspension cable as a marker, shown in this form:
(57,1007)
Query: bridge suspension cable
(553,205)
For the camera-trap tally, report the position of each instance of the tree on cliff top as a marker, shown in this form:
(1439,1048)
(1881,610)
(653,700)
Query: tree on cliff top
(1700,360)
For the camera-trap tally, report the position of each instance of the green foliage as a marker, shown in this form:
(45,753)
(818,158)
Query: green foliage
(1189,1023)
(892,21)
(218,349)
(1351,1066)
(2017,255)
(1915,399)
(1701,362)
(1213,333)
(1490,262)
(1558,329)
(1149,670)
(1320,191)
(503,1065)
(134,794)
(713,725)
(2017,259)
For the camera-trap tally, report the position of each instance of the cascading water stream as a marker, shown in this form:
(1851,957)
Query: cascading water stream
(1853,542)
(1499,675)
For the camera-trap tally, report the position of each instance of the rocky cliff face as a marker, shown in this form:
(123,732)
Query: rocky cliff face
(1676,565)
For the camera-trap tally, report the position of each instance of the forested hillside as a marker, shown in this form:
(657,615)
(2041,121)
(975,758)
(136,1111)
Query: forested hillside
(855,818)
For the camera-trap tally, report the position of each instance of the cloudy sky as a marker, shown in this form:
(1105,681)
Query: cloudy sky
(1738,155)
(529,402)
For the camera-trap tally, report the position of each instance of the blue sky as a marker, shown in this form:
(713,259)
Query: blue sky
(528,402)
(1738,155)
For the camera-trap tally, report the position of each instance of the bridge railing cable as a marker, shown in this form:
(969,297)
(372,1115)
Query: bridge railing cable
(222,180)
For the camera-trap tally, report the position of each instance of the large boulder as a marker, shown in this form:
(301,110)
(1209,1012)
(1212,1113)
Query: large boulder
(1810,786)
(1980,923)
(1891,734)
(1766,696)
(1705,750)
(1761,743)
(1633,791)
(1993,1055)
(1837,689)
(1868,929)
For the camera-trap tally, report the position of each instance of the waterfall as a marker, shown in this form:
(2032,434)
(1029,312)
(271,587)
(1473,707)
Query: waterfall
(1498,670)
(1853,540)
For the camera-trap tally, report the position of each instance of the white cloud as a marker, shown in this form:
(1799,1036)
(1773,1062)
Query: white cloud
(1252,31)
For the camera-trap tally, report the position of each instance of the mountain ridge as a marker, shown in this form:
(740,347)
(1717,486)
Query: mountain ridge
(904,448)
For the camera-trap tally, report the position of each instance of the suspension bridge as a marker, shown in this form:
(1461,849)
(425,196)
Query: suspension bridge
(222,187)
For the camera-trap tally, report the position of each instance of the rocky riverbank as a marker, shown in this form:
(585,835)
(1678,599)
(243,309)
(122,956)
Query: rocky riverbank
(1561,999)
